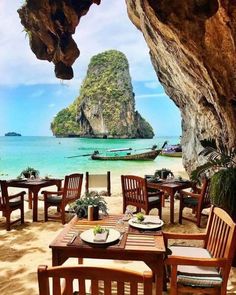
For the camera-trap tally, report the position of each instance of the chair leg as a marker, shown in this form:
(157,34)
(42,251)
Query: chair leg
(160,210)
(124,207)
(45,211)
(63,215)
(199,215)
(8,221)
(22,214)
(180,212)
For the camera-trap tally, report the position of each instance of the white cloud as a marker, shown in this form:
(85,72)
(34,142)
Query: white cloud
(152,85)
(38,93)
(151,95)
(106,26)
(51,105)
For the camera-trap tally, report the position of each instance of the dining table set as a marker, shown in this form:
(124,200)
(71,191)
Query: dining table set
(125,239)
(34,186)
(170,187)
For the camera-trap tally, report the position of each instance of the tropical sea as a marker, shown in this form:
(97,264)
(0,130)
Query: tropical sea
(49,155)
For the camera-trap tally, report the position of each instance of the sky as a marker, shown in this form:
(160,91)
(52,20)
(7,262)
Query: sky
(30,94)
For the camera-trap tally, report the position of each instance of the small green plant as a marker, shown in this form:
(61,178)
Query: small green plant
(140,217)
(27,172)
(89,199)
(99,230)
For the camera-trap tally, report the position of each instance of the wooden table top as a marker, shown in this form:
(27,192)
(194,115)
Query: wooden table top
(33,182)
(132,241)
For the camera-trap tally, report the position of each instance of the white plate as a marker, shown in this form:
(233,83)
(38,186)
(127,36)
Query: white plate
(144,226)
(88,236)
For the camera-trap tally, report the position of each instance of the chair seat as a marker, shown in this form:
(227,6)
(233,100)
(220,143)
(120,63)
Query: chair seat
(153,200)
(189,201)
(196,276)
(54,199)
(15,202)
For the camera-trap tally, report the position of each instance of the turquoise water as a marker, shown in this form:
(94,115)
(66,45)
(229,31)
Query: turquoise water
(48,155)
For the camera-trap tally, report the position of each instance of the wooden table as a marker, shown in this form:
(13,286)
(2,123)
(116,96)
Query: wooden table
(34,187)
(147,247)
(170,188)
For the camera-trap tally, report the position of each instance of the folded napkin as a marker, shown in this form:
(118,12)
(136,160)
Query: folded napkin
(149,220)
(102,237)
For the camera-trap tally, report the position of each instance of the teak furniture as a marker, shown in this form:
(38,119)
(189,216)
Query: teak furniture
(196,200)
(94,181)
(170,188)
(10,203)
(147,247)
(114,281)
(60,199)
(203,270)
(135,193)
(34,187)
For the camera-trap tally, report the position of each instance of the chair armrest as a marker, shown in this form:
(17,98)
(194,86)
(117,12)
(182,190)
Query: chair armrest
(191,194)
(175,236)
(21,194)
(46,193)
(210,262)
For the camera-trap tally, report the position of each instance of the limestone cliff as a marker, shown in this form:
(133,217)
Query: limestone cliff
(50,25)
(106,105)
(192,47)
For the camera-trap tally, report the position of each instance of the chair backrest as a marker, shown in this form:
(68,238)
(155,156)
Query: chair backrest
(221,235)
(4,195)
(72,187)
(134,190)
(205,193)
(76,276)
(98,181)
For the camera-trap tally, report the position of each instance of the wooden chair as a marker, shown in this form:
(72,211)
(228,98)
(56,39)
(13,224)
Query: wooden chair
(135,193)
(203,270)
(69,194)
(98,181)
(196,200)
(78,274)
(10,203)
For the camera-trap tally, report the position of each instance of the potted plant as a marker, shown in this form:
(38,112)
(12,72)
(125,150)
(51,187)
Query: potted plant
(27,172)
(90,199)
(221,166)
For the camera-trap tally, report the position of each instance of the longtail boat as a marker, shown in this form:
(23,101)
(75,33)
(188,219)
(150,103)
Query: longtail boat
(144,156)
(174,150)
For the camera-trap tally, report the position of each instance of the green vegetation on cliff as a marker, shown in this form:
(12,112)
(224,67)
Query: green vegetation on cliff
(65,123)
(106,106)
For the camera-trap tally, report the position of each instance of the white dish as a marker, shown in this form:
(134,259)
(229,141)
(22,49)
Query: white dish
(133,222)
(88,236)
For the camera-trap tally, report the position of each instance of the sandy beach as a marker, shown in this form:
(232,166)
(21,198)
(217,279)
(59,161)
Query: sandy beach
(27,246)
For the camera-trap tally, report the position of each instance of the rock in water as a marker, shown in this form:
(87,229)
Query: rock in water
(106,105)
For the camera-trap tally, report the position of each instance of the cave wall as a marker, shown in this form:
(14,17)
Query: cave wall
(192,48)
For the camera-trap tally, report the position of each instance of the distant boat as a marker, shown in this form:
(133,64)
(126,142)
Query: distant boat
(126,154)
(12,134)
(174,150)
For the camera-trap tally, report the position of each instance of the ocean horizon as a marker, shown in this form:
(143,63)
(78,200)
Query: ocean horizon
(48,154)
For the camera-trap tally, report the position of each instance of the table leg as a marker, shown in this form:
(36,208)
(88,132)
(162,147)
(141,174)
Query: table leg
(30,200)
(157,269)
(35,204)
(172,209)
